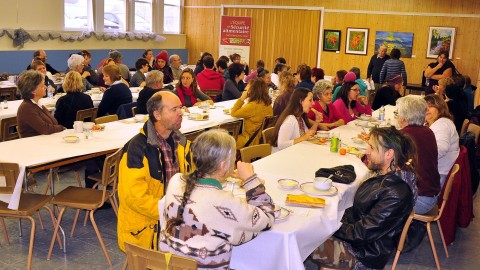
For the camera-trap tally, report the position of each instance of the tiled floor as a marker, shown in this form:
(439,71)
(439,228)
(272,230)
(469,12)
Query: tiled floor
(84,252)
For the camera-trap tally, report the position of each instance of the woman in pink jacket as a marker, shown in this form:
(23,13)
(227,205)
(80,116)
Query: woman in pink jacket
(350,104)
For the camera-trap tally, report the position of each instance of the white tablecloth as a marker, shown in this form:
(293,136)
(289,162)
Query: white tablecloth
(49,148)
(290,241)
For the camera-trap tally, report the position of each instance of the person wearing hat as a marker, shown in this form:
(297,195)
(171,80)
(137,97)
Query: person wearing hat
(388,94)
(349,77)
(161,64)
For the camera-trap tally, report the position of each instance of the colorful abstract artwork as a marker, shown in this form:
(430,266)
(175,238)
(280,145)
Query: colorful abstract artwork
(398,40)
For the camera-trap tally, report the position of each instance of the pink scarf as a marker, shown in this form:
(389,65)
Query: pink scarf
(182,92)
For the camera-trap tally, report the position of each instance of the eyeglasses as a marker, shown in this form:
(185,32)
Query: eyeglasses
(355,89)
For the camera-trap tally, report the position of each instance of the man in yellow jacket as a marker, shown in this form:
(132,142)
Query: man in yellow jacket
(148,162)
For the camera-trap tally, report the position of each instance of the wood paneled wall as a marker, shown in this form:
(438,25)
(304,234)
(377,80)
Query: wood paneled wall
(293,34)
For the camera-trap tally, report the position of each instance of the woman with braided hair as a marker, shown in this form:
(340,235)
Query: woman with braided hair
(203,221)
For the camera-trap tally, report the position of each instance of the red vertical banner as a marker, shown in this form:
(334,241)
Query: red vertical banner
(235,36)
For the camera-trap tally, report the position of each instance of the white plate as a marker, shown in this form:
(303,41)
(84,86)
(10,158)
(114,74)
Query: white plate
(71,139)
(310,189)
(288,183)
(358,140)
(283,215)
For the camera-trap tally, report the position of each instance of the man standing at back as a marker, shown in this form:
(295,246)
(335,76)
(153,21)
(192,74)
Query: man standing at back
(209,79)
(372,226)
(376,64)
(148,162)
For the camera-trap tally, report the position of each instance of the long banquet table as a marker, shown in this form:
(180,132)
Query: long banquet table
(44,149)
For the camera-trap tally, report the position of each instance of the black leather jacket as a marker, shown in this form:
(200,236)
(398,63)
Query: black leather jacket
(372,226)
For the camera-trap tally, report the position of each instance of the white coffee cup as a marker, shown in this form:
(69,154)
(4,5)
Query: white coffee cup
(78,126)
(139,117)
(322,183)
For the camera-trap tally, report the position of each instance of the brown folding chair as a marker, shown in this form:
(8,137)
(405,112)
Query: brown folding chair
(134,110)
(212,93)
(87,115)
(9,129)
(233,128)
(267,134)
(28,206)
(141,258)
(403,237)
(435,214)
(268,122)
(106,119)
(464,127)
(89,199)
(8,93)
(254,152)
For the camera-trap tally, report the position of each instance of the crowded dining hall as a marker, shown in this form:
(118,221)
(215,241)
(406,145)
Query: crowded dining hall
(144,134)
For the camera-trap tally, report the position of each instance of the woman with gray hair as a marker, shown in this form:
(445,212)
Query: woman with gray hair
(34,119)
(323,93)
(202,220)
(76,63)
(411,118)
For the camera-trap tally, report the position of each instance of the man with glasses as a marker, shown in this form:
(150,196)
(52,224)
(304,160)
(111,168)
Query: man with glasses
(41,55)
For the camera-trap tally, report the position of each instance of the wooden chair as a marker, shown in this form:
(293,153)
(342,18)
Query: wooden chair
(267,134)
(134,110)
(89,199)
(403,237)
(435,214)
(8,93)
(87,115)
(193,135)
(475,129)
(464,127)
(233,128)
(254,152)
(106,119)
(9,129)
(28,206)
(141,258)
(212,93)
(268,122)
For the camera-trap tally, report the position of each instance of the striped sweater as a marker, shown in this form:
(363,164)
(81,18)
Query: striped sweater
(214,220)
(392,67)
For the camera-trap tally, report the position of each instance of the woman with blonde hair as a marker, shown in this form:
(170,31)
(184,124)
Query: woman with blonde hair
(253,112)
(202,220)
(67,106)
(286,87)
(439,120)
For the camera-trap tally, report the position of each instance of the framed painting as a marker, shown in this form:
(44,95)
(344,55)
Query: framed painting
(332,40)
(357,41)
(398,40)
(440,39)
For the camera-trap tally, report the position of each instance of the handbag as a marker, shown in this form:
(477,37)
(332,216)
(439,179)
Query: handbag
(344,174)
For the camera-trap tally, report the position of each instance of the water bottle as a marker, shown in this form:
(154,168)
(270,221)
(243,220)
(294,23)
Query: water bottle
(334,142)
(381,114)
(49,91)
(427,81)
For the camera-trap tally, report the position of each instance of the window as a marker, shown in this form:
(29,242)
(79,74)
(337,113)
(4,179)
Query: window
(124,15)
(171,16)
(114,15)
(78,15)
(143,15)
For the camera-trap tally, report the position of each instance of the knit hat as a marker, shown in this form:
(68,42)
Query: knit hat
(162,55)
(394,79)
(349,77)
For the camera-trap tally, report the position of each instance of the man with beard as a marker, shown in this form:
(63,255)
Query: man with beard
(372,226)
(148,162)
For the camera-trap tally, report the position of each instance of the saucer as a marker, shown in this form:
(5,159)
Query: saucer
(283,214)
(358,140)
(309,188)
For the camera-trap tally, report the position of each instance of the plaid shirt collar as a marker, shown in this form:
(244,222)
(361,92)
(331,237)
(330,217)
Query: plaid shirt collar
(169,162)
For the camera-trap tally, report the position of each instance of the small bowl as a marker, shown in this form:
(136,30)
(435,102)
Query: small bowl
(288,183)
(323,134)
(322,183)
(71,139)
(362,123)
